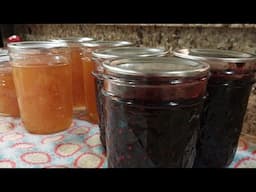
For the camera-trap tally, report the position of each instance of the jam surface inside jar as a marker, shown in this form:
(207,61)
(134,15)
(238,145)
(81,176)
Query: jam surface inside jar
(228,89)
(152,111)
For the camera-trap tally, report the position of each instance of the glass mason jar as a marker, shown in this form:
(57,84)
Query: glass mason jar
(8,98)
(101,55)
(43,81)
(152,111)
(229,87)
(79,105)
(89,80)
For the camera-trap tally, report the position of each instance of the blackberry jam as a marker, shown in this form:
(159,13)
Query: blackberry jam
(152,111)
(101,55)
(228,90)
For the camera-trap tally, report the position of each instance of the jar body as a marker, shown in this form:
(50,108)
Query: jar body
(79,103)
(89,87)
(229,87)
(222,118)
(8,97)
(100,108)
(43,81)
(152,123)
(75,45)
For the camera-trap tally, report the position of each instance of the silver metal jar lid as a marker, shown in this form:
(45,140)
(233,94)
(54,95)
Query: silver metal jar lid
(74,39)
(96,44)
(128,52)
(215,55)
(27,45)
(155,67)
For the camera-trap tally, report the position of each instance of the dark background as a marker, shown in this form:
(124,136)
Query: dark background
(6,30)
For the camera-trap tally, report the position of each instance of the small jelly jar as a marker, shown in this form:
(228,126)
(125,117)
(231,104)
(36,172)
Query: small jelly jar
(43,80)
(101,55)
(229,87)
(8,98)
(79,105)
(152,111)
(89,80)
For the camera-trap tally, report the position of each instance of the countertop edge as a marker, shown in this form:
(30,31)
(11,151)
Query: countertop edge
(184,25)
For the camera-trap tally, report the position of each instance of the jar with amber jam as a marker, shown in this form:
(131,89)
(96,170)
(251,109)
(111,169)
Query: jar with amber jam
(43,80)
(8,98)
(79,105)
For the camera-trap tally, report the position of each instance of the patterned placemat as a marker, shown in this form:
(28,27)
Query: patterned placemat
(246,154)
(77,147)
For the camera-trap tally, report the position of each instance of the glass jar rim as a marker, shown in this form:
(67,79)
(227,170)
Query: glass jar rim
(73,39)
(128,52)
(101,43)
(229,56)
(155,67)
(28,45)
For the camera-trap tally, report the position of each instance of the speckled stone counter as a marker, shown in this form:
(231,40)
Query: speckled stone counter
(236,37)
(241,37)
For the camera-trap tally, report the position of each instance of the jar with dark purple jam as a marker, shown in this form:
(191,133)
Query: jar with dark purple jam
(152,111)
(101,55)
(229,87)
